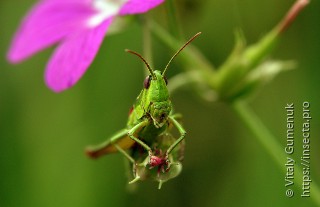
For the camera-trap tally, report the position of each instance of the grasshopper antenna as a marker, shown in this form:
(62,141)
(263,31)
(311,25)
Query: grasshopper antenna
(145,62)
(190,40)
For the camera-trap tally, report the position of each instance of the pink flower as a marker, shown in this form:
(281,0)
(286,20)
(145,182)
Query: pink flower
(78,26)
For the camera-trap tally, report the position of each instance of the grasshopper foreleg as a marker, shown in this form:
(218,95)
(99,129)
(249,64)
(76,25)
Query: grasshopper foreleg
(181,130)
(136,128)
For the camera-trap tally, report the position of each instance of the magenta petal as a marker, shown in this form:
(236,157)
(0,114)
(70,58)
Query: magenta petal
(72,58)
(78,1)
(48,22)
(139,6)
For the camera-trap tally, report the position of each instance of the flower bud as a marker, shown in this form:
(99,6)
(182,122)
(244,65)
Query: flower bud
(246,67)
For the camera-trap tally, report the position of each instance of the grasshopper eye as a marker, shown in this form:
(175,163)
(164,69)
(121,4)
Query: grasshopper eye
(146,82)
(165,80)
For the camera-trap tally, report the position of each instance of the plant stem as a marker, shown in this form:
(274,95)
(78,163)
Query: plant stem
(292,14)
(192,58)
(260,131)
(270,143)
(147,44)
(174,25)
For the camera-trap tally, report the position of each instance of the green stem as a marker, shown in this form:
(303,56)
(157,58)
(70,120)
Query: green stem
(192,58)
(173,20)
(260,131)
(147,44)
(270,143)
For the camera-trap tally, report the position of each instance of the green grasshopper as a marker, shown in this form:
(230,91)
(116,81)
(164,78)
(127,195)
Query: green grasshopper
(149,119)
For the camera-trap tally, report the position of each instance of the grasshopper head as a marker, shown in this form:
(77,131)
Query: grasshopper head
(156,96)
(159,112)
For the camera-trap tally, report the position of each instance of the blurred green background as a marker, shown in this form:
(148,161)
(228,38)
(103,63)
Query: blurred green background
(43,134)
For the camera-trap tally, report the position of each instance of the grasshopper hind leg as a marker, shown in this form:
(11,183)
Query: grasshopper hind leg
(120,138)
(119,142)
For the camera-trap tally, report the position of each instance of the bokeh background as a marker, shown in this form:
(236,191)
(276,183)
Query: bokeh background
(43,134)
